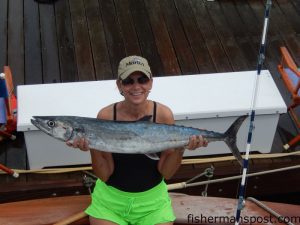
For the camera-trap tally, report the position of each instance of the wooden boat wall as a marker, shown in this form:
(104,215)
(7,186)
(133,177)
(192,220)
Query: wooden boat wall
(271,186)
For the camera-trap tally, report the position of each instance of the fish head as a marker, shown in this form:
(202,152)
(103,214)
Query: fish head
(55,126)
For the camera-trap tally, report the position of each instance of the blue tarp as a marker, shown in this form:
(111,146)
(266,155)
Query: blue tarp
(2,111)
(293,77)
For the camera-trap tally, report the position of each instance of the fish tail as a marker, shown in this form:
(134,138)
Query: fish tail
(230,138)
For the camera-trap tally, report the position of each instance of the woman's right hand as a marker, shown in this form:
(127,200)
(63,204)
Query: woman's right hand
(79,142)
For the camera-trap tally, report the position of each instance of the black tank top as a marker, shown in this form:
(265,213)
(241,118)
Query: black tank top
(134,172)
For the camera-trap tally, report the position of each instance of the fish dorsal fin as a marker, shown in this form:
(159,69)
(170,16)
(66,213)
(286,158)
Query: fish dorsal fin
(146,118)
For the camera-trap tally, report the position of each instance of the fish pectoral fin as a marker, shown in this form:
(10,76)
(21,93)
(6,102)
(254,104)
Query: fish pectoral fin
(153,156)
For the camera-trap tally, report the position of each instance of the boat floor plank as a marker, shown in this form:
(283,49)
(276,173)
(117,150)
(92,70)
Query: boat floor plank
(182,48)
(248,48)
(296,4)
(113,34)
(32,41)
(3,34)
(285,29)
(194,36)
(252,27)
(145,35)
(82,45)
(232,49)
(16,147)
(67,61)
(291,14)
(15,40)
(206,27)
(274,40)
(162,38)
(51,71)
(98,41)
(130,36)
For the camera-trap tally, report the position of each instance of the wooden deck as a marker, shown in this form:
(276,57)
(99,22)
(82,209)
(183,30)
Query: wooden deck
(80,40)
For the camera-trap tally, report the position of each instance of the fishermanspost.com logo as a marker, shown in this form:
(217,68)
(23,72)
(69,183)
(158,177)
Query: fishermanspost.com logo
(200,219)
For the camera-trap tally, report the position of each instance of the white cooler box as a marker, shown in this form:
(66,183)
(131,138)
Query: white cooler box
(208,101)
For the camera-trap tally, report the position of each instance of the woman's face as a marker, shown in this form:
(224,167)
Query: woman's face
(136,87)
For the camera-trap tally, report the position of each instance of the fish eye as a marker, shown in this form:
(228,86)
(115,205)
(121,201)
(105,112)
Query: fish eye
(51,123)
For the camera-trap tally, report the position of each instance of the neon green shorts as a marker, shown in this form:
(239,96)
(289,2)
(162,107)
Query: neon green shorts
(143,208)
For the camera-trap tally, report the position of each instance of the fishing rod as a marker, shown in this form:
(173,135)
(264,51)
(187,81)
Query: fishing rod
(261,58)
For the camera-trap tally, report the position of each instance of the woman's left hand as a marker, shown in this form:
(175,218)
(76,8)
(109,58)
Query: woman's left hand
(196,142)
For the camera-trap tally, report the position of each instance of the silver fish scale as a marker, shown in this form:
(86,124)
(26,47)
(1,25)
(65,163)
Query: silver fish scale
(140,137)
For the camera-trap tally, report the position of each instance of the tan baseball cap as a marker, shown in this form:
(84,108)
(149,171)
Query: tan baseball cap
(131,64)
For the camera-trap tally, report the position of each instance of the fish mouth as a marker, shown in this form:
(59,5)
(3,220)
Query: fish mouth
(40,124)
(48,125)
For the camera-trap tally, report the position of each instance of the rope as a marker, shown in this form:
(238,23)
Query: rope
(229,158)
(184,162)
(185,185)
(72,219)
(9,171)
(52,170)
(261,58)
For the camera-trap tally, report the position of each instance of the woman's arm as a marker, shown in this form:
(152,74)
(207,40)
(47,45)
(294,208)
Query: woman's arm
(102,163)
(170,160)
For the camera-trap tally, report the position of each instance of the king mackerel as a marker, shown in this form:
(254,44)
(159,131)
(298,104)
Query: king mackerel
(141,136)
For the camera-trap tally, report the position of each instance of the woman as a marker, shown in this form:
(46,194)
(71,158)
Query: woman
(131,188)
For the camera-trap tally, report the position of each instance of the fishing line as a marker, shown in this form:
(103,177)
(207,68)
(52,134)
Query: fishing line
(261,58)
